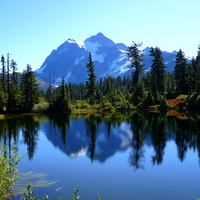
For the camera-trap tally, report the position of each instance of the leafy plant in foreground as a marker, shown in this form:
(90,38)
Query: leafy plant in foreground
(8,170)
(30,195)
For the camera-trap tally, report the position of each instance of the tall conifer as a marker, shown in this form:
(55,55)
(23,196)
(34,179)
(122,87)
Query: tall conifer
(91,86)
(158,72)
(180,73)
(135,57)
(29,88)
(3,73)
(15,93)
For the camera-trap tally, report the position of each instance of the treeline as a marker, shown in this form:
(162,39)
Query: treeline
(140,90)
(18,91)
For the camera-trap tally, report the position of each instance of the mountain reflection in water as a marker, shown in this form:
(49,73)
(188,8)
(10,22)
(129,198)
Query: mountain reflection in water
(100,137)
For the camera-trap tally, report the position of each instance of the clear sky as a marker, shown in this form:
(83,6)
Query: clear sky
(31,29)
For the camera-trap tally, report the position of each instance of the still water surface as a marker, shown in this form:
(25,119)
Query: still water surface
(135,156)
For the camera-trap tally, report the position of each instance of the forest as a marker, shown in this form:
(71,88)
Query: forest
(154,88)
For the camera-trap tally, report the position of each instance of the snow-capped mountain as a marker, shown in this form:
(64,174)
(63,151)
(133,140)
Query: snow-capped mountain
(70,58)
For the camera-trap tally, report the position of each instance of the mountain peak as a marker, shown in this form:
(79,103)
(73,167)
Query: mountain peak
(70,58)
(174,52)
(72,41)
(101,39)
(100,35)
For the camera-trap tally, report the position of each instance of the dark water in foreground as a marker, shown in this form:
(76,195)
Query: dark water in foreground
(132,156)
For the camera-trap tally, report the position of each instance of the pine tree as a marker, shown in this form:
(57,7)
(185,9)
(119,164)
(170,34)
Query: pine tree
(190,79)
(180,73)
(194,74)
(15,93)
(61,102)
(2,99)
(158,72)
(91,86)
(8,83)
(138,96)
(135,57)
(29,88)
(108,87)
(8,73)
(197,71)
(49,92)
(170,85)
(3,73)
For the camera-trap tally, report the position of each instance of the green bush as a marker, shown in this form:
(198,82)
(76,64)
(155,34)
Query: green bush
(8,170)
(30,195)
(40,107)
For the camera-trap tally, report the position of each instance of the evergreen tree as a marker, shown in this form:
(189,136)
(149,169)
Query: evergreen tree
(138,96)
(193,67)
(198,55)
(2,99)
(15,93)
(29,89)
(100,85)
(190,79)
(180,73)
(170,85)
(3,73)
(158,72)
(197,67)
(61,102)
(49,92)
(91,86)
(8,72)
(14,77)
(135,57)
(8,83)
(107,85)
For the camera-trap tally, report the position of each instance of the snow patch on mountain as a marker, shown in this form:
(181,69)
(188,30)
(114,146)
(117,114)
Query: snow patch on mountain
(115,62)
(59,80)
(93,48)
(80,44)
(68,75)
(78,60)
(66,49)
(124,68)
(120,65)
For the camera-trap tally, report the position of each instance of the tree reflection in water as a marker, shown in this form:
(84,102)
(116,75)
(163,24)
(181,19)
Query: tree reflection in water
(154,128)
(137,122)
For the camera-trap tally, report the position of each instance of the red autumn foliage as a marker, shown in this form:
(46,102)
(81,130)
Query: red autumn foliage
(175,102)
(174,113)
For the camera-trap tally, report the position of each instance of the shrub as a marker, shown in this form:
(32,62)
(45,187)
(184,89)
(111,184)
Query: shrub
(40,107)
(8,170)
(30,195)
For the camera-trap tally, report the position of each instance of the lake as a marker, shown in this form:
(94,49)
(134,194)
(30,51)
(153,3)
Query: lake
(137,156)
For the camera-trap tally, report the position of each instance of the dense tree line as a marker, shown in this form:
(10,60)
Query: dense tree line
(142,89)
(18,92)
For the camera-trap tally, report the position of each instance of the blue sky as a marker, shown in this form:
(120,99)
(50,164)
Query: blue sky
(31,29)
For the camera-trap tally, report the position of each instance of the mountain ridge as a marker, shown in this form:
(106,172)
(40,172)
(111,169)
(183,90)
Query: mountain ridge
(70,58)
